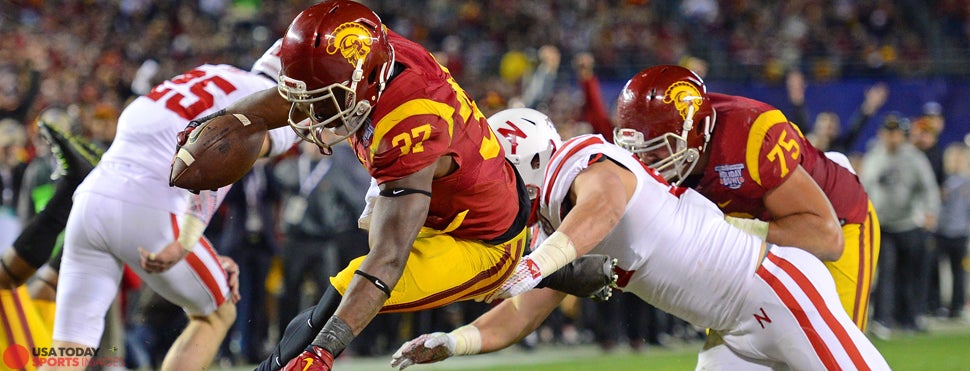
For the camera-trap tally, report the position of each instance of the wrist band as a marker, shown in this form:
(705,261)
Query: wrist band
(9,273)
(48,283)
(398,192)
(376,281)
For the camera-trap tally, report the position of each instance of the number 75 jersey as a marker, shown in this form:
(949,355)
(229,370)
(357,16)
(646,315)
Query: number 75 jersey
(755,148)
(136,166)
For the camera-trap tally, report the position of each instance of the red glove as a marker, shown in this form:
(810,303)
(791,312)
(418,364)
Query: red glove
(313,359)
(183,136)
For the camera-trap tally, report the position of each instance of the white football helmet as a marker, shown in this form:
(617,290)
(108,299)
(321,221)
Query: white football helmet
(529,138)
(269,63)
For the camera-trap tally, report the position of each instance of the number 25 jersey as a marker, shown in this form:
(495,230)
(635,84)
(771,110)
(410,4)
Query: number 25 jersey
(136,166)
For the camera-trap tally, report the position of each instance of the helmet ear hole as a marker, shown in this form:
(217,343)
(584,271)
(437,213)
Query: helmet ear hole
(535,162)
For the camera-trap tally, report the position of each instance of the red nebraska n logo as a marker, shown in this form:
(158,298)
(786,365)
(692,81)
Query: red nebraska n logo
(762,317)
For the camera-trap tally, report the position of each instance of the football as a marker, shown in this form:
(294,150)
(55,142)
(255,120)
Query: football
(217,153)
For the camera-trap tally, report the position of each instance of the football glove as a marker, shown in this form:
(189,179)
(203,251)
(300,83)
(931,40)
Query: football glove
(314,358)
(427,348)
(183,136)
(526,276)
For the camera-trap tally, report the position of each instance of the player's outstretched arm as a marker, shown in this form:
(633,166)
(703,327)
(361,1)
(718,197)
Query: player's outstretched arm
(398,215)
(599,207)
(500,327)
(600,194)
(265,108)
(803,217)
(202,206)
(395,224)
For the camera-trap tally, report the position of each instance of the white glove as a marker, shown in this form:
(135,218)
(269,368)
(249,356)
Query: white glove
(525,277)
(427,348)
(363,222)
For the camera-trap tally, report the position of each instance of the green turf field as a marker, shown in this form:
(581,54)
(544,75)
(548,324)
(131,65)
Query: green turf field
(945,347)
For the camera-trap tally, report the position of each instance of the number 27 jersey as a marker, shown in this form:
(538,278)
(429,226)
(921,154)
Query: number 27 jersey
(424,115)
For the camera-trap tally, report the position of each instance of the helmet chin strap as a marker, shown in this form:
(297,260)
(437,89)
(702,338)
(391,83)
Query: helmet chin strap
(709,128)
(688,121)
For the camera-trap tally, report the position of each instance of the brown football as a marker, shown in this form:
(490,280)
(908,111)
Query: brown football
(217,153)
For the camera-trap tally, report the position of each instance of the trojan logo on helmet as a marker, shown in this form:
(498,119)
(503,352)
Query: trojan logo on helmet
(336,62)
(352,41)
(665,117)
(685,97)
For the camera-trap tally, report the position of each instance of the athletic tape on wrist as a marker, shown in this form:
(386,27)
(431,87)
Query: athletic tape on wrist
(191,231)
(376,281)
(753,227)
(334,336)
(554,253)
(468,340)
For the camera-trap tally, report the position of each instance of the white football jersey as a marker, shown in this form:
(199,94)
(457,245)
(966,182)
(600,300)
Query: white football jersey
(669,241)
(136,167)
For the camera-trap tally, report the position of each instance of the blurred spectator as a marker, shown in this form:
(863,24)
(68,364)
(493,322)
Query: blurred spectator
(249,238)
(699,66)
(900,184)
(933,113)
(826,133)
(954,226)
(593,109)
(13,156)
(540,83)
(925,136)
(19,84)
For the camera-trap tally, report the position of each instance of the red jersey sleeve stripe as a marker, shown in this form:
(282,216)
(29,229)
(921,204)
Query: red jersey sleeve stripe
(570,148)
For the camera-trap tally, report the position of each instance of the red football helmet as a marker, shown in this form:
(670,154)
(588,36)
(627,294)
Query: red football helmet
(665,117)
(336,60)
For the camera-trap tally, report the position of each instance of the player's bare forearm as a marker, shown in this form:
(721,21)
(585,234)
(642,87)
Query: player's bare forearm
(395,224)
(804,218)
(265,107)
(513,319)
(599,204)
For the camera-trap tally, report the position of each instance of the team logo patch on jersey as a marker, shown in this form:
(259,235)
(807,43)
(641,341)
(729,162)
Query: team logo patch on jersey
(731,175)
(352,41)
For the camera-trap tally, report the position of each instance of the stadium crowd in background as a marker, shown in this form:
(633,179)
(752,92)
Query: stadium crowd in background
(92,58)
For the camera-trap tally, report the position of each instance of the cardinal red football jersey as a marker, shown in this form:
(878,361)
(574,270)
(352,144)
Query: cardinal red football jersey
(755,148)
(424,115)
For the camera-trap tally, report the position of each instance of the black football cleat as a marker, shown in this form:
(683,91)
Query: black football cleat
(590,276)
(75,156)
